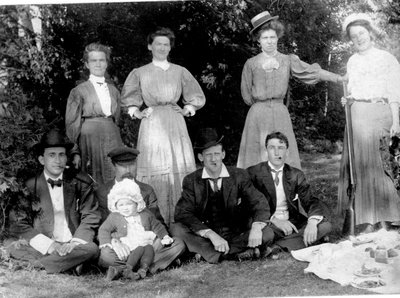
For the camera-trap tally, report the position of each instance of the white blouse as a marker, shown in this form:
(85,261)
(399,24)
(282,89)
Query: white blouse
(374,74)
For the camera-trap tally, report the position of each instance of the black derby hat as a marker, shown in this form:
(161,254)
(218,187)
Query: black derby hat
(52,138)
(206,138)
(123,154)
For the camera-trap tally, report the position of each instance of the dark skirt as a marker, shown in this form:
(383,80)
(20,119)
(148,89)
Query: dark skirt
(98,137)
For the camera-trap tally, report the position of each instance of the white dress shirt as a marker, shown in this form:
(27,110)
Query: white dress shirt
(103,93)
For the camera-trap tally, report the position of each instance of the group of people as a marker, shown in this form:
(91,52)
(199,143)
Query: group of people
(135,211)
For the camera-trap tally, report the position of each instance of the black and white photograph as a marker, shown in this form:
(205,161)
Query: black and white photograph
(199,148)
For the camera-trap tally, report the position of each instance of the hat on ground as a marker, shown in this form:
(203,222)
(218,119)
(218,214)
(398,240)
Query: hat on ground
(125,189)
(261,19)
(123,154)
(52,138)
(206,138)
(356,17)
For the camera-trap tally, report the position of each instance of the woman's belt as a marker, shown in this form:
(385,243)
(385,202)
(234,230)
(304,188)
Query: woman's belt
(372,100)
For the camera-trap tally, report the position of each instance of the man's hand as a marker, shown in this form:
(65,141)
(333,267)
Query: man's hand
(77,161)
(53,248)
(220,244)
(255,237)
(310,232)
(122,250)
(284,225)
(66,248)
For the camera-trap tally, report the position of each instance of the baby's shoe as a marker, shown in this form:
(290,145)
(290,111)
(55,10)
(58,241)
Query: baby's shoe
(143,271)
(114,272)
(129,274)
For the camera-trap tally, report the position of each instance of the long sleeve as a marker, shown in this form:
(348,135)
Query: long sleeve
(73,115)
(106,229)
(89,213)
(257,202)
(246,83)
(186,208)
(310,73)
(131,94)
(191,90)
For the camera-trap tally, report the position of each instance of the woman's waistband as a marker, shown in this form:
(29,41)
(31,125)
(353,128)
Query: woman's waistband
(380,100)
(271,100)
(102,119)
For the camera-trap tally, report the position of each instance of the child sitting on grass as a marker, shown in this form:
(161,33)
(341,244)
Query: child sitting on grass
(135,226)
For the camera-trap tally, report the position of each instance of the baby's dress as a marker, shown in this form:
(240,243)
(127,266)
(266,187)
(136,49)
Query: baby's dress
(137,236)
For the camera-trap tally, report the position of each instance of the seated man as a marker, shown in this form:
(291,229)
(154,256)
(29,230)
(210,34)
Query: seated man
(124,161)
(220,214)
(298,219)
(61,235)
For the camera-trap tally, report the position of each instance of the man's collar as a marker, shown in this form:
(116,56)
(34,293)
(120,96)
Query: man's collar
(47,176)
(224,173)
(272,167)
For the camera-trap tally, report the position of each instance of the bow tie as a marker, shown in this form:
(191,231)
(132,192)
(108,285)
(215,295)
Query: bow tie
(53,183)
(276,180)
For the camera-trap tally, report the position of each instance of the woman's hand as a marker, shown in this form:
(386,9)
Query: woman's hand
(188,111)
(167,240)
(394,129)
(76,161)
(345,100)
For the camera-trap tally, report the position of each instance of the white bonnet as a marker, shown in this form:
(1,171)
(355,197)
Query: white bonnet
(125,189)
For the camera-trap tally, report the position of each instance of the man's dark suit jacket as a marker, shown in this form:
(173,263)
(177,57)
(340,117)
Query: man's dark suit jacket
(81,209)
(243,202)
(294,182)
(146,190)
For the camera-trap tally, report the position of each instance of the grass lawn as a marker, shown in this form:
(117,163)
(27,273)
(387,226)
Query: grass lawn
(282,277)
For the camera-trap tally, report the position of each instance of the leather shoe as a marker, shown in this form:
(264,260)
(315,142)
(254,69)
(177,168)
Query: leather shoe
(248,254)
(271,252)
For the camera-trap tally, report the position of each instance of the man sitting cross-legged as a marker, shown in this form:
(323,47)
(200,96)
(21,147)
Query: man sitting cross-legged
(220,213)
(298,219)
(124,161)
(61,236)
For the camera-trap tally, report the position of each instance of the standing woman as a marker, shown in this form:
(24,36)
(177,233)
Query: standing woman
(265,80)
(93,109)
(166,150)
(374,85)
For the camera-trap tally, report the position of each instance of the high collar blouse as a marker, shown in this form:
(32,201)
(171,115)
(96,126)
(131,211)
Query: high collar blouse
(374,74)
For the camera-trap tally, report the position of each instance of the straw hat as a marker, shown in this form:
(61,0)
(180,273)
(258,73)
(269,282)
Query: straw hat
(261,19)
(355,17)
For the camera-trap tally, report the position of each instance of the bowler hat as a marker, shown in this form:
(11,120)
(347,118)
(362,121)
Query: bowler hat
(206,138)
(53,138)
(261,19)
(123,154)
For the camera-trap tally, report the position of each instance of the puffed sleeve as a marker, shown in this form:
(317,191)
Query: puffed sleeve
(131,94)
(310,73)
(192,93)
(73,115)
(246,83)
(393,80)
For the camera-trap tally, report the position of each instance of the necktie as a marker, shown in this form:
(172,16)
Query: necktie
(276,180)
(53,183)
(215,184)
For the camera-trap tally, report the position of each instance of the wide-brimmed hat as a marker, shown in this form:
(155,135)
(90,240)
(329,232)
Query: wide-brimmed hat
(52,138)
(123,154)
(206,138)
(261,19)
(356,17)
